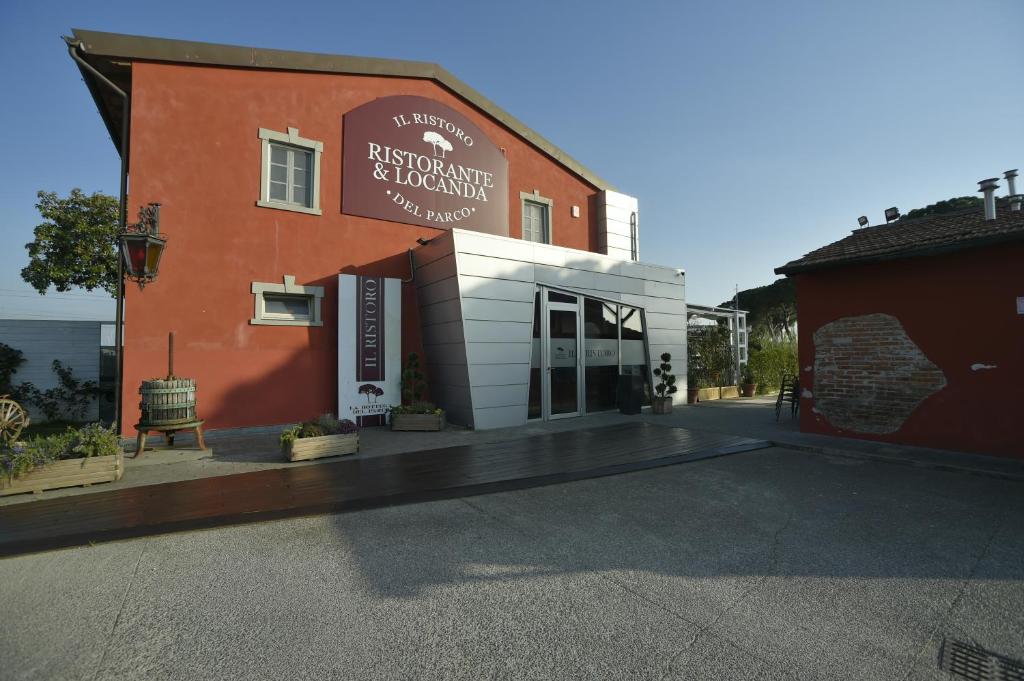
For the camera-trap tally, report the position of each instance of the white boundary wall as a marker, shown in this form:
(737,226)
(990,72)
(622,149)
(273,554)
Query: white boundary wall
(75,343)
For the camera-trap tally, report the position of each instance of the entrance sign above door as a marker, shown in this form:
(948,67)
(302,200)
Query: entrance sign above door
(414,160)
(369,347)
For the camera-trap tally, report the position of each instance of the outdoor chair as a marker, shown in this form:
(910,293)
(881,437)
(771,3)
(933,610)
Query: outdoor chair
(788,392)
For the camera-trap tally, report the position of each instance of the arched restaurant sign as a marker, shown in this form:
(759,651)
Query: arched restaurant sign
(414,160)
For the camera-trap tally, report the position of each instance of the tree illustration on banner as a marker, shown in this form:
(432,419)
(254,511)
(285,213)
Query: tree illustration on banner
(370,389)
(431,137)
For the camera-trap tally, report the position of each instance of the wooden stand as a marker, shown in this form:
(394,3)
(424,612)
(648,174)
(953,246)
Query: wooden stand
(168,432)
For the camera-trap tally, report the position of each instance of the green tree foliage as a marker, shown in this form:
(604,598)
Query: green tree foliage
(948,206)
(76,245)
(10,360)
(709,356)
(771,359)
(771,309)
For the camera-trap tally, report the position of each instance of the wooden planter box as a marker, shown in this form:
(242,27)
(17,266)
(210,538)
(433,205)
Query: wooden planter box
(730,391)
(417,421)
(306,448)
(66,473)
(705,394)
(661,405)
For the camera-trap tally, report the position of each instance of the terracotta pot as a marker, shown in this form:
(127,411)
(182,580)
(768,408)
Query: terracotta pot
(749,389)
(661,405)
(691,395)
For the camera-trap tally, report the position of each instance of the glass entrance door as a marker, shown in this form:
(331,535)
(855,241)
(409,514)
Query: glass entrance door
(562,355)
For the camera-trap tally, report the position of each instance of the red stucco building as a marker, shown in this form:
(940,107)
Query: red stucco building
(278,171)
(913,332)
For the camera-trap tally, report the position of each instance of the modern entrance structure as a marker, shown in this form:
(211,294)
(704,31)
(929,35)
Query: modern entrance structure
(453,230)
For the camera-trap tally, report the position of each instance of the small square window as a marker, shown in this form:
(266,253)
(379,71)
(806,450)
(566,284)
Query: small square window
(286,304)
(290,175)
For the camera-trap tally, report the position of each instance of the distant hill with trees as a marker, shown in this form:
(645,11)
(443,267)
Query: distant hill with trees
(771,309)
(948,206)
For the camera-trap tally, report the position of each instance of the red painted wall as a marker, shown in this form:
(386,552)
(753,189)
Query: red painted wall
(960,309)
(194,149)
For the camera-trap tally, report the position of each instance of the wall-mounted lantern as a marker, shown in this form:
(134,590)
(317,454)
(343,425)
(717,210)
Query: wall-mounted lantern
(142,246)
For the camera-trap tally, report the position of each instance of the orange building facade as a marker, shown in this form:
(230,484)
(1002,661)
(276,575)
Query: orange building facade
(197,134)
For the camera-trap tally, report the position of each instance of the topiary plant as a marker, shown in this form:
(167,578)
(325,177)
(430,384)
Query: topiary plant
(413,385)
(667,385)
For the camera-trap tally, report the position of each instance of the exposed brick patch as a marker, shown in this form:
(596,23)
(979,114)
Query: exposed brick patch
(868,375)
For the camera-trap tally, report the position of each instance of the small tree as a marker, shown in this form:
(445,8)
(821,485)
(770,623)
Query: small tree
(413,384)
(76,245)
(10,360)
(667,385)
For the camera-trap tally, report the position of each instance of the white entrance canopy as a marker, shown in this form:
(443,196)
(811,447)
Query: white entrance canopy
(706,315)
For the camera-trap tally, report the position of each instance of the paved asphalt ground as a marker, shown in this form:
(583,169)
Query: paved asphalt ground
(768,564)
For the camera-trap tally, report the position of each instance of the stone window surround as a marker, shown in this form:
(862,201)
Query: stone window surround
(291,138)
(316,293)
(535,197)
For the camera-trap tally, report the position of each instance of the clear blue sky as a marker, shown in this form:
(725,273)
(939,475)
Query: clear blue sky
(752,132)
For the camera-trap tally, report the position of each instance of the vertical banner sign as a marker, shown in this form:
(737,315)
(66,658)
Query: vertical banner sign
(370,332)
(369,347)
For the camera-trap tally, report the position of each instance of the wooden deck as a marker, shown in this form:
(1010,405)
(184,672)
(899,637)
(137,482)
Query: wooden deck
(350,484)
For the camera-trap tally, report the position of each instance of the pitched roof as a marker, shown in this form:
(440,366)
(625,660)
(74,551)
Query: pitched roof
(112,53)
(928,235)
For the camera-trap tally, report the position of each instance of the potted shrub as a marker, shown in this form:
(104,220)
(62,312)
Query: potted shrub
(749,385)
(84,456)
(666,387)
(414,413)
(327,436)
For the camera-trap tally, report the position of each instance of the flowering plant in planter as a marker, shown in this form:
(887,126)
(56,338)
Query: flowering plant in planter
(326,436)
(75,457)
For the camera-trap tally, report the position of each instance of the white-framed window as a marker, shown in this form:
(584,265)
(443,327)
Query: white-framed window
(537,212)
(286,304)
(290,171)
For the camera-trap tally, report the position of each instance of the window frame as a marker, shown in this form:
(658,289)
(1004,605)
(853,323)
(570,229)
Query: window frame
(315,148)
(549,213)
(314,294)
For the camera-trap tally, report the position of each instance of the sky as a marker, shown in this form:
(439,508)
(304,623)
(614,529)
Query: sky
(751,132)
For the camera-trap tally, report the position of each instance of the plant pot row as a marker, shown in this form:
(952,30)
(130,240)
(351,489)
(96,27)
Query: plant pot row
(694,395)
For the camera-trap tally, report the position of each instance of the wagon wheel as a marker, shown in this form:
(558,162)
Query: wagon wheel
(13,419)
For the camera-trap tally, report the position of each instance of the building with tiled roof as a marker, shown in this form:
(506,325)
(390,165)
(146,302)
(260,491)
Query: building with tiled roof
(913,332)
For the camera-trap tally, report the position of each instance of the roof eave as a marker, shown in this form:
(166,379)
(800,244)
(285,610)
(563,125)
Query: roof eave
(143,48)
(96,89)
(925,251)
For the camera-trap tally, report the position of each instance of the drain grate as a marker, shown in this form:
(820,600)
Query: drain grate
(978,664)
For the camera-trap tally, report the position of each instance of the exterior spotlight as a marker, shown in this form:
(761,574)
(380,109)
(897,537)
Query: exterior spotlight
(862,220)
(142,246)
(892,214)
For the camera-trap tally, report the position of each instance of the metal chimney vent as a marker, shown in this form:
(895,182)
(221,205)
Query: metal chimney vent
(988,188)
(1011,186)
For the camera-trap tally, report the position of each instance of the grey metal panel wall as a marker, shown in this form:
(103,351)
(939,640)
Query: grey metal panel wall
(496,282)
(444,345)
(75,343)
